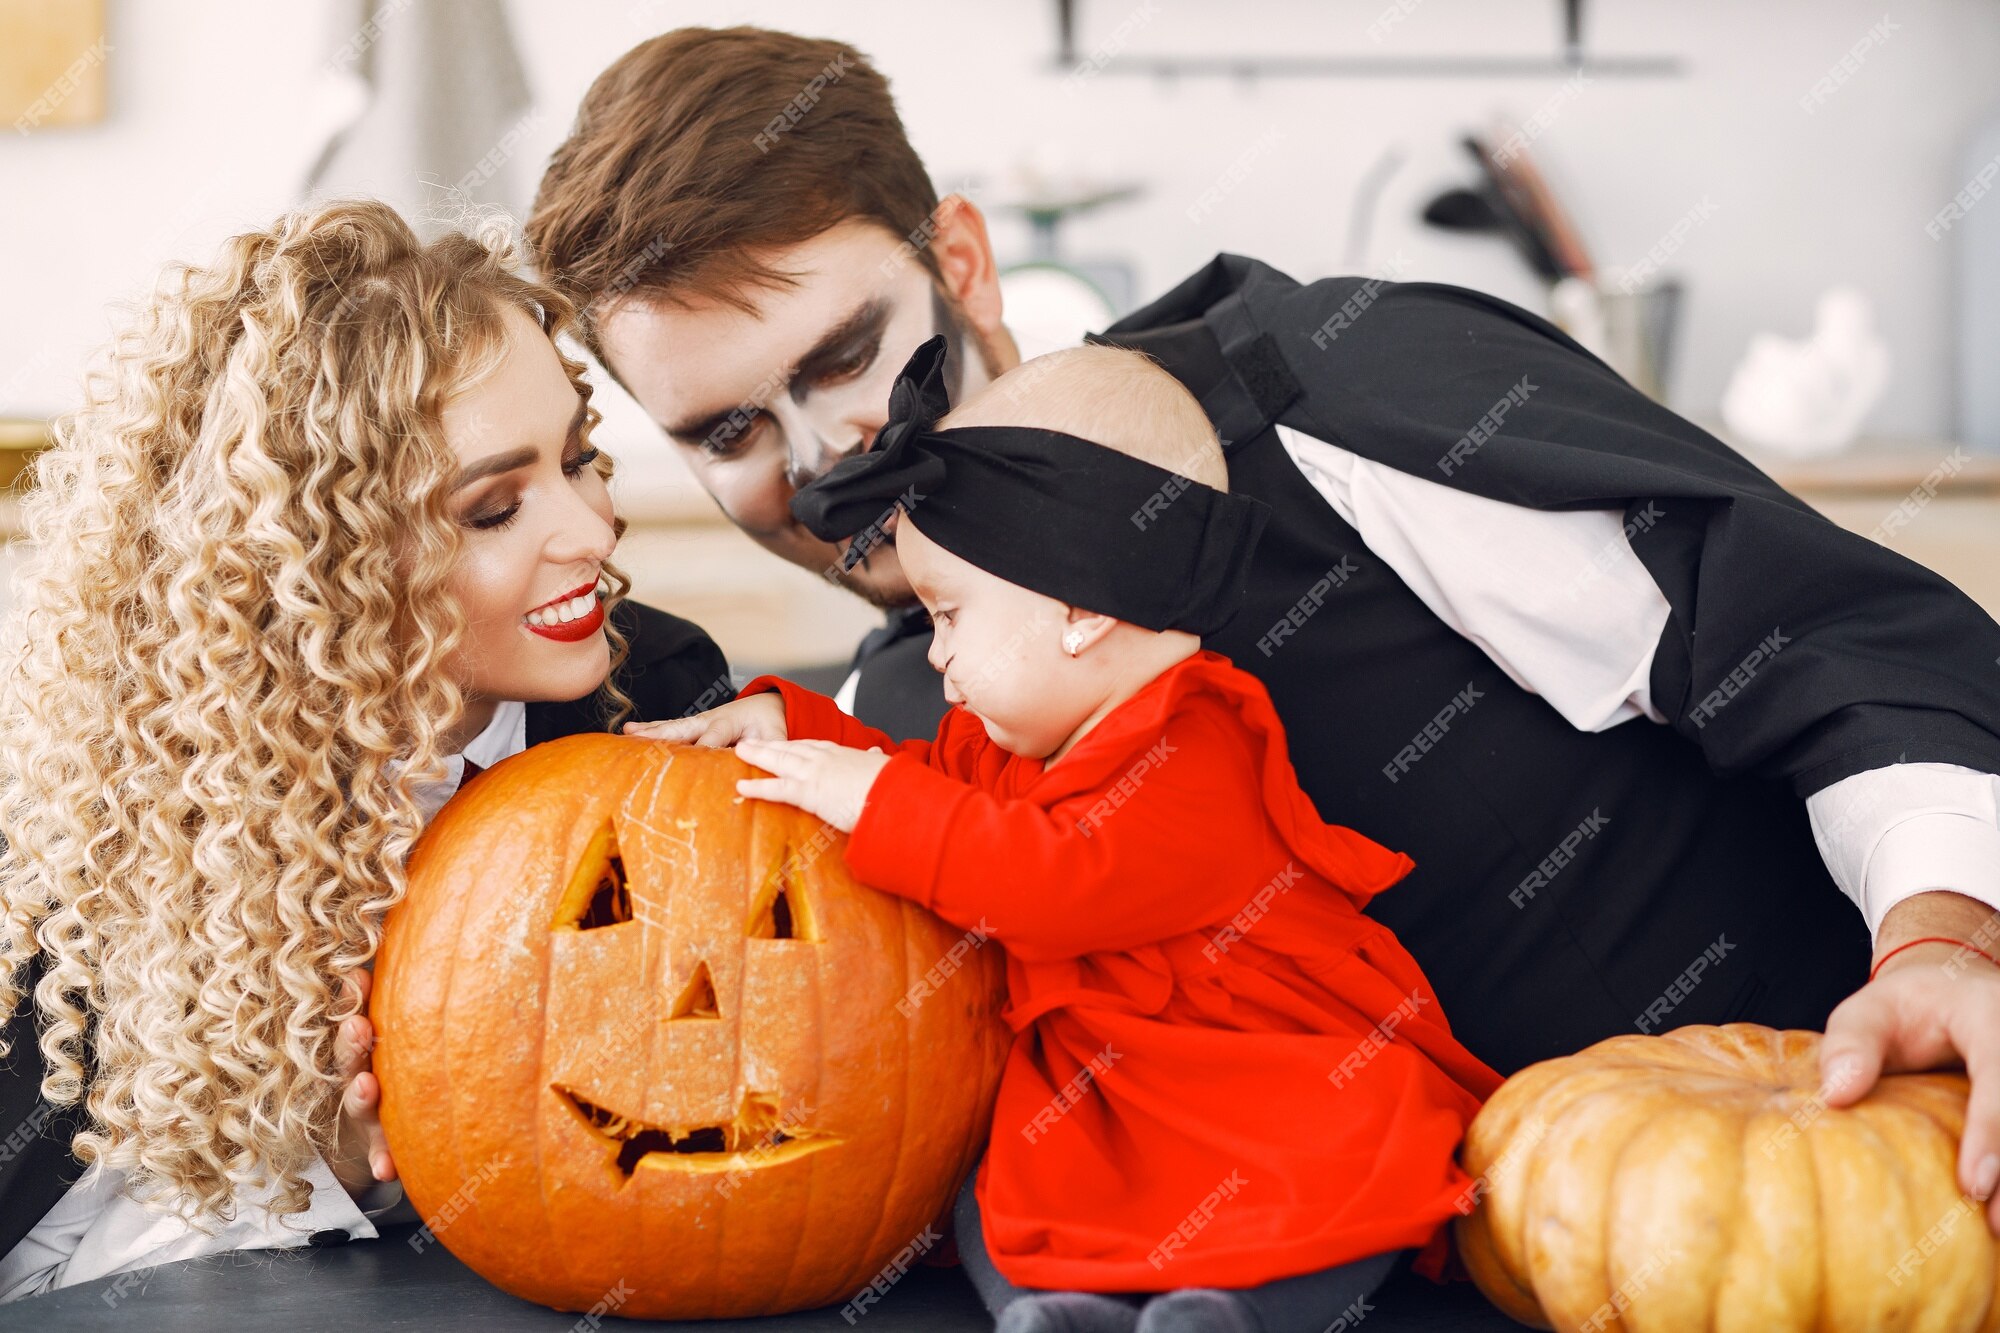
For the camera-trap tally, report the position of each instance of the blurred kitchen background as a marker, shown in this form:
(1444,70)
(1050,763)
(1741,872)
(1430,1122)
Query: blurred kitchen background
(1767,212)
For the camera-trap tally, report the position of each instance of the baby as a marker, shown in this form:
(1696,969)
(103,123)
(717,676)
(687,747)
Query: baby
(1232,1102)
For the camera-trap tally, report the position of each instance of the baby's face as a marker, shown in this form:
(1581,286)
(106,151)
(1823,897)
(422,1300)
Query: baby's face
(999,647)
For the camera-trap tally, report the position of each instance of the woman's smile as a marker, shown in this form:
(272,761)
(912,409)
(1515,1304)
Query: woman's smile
(569,618)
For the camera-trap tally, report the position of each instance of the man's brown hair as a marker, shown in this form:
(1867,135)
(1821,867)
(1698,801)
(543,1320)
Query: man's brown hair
(703,147)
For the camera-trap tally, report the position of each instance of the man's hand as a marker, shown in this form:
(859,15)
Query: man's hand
(1932,1006)
(361,1150)
(819,777)
(755,717)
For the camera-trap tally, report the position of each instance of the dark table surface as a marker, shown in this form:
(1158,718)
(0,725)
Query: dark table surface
(383,1285)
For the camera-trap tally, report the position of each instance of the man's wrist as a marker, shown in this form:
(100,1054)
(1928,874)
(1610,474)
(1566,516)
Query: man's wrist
(1939,912)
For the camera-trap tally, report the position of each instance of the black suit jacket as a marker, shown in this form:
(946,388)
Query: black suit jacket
(673,668)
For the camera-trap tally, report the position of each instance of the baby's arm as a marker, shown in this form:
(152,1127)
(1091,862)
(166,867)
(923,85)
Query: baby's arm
(772,709)
(759,717)
(1169,849)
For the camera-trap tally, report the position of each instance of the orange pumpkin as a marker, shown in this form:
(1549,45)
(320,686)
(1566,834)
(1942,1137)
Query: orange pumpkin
(645,1044)
(1697,1180)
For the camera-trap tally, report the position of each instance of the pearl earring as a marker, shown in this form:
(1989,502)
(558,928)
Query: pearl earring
(1073,642)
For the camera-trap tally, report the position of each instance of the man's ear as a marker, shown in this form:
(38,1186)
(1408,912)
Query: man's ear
(964,257)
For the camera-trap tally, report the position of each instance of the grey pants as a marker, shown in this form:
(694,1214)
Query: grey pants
(1307,1303)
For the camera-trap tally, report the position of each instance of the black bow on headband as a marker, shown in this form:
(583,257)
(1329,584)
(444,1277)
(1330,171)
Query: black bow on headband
(1051,512)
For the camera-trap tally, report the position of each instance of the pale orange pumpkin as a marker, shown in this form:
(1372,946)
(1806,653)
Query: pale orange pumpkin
(645,1039)
(1697,1180)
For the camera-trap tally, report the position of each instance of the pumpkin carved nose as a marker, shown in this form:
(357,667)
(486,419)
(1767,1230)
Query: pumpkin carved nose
(697,998)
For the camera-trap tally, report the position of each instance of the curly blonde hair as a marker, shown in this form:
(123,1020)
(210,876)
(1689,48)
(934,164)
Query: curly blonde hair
(231,622)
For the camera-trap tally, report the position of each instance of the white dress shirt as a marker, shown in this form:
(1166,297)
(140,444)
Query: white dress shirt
(1561,604)
(97,1228)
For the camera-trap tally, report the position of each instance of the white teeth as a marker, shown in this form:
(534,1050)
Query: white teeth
(563,612)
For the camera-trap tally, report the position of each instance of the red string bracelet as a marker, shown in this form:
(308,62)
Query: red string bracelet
(1931,939)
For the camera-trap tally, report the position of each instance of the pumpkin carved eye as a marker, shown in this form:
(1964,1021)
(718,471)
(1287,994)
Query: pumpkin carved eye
(610,902)
(598,895)
(782,914)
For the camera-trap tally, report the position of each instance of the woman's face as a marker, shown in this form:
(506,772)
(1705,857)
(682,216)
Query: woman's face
(536,519)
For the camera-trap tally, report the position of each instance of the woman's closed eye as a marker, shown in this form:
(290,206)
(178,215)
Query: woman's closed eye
(498,520)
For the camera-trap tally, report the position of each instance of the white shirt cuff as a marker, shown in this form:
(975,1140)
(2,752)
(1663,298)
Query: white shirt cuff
(1933,851)
(1889,833)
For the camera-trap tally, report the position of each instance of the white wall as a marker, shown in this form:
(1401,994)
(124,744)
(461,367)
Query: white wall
(213,116)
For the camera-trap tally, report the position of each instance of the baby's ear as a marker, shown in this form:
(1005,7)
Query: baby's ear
(1091,625)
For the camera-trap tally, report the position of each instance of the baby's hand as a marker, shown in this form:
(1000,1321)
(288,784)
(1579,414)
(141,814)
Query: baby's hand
(755,717)
(819,777)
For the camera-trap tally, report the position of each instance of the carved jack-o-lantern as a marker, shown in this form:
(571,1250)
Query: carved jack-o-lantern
(644,1042)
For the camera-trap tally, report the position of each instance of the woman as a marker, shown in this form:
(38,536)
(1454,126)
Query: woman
(328,527)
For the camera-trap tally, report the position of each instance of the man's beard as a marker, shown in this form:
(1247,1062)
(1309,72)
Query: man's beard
(882,599)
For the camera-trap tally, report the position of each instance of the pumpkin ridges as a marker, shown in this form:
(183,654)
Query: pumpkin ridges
(1764,1287)
(1862,1203)
(1546,1091)
(904,1038)
(1958,1275)
(1668,1219)
(1565,1224)
(1818,1206)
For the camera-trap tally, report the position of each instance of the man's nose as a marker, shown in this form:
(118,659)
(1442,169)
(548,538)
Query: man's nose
(808,453)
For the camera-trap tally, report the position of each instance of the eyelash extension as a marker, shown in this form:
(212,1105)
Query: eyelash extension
(502,521)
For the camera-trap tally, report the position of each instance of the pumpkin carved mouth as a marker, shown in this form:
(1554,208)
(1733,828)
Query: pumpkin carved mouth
(758,1136)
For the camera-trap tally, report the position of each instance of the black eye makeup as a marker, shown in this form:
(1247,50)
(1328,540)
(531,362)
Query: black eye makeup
(850,363)
(497,520)
(730,436)
(847,351)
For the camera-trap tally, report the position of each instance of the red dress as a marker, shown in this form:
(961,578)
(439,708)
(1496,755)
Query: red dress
(1222,1072)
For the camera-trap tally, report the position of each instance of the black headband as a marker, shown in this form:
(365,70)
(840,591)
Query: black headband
(1051,512)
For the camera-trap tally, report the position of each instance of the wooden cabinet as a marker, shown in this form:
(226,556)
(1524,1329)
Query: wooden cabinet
(1934,502)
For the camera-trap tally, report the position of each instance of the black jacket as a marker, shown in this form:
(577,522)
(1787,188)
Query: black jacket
(673,668)
(1539,933)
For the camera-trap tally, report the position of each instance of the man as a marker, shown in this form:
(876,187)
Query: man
(1639,715)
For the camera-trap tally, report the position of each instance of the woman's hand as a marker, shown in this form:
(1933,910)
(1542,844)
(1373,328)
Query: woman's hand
(361,1150)
(1932,1006)
(819,777)
(754,717)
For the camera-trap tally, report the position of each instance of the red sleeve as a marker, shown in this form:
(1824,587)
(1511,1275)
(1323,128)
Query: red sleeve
(811,716)
(1158,854)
